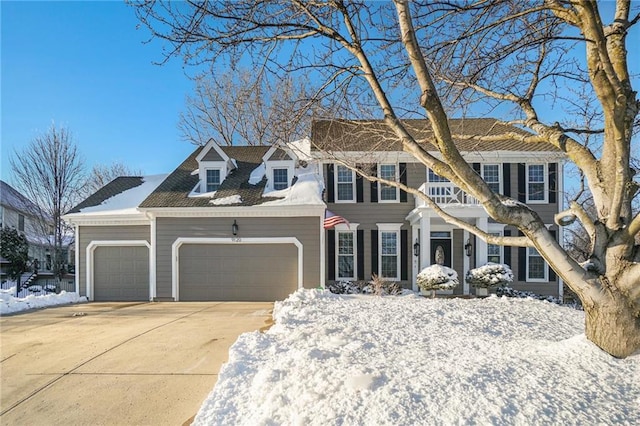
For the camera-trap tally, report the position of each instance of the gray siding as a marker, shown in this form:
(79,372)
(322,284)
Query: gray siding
(305,229)
(95,233)
(546,211)
(212,155)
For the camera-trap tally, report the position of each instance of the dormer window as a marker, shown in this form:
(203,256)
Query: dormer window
(213,180)
(280,179)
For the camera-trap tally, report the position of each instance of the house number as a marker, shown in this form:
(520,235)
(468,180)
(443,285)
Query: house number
(236,239)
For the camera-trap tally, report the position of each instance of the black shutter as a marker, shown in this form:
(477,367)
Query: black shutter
(522,192)
(476,167)
(507,249)
(359,186)
(553,182)
(374,185)
(360,254)
(506,179)
(404,252)
(374,251)
(331,254)
(330,177)
(522,261)
(552,273)
(402,167)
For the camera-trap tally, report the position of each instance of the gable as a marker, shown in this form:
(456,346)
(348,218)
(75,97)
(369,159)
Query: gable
(212,155)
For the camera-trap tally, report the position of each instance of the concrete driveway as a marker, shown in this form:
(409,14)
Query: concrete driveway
(117,363)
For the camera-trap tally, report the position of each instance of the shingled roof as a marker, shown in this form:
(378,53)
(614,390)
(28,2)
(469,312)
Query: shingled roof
(175,190)
(375,135)
(113,188)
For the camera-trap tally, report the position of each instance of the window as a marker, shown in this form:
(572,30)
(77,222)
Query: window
(213,180)
(389,254)
(436,178)
(494,252)
(536,266)
(280,179)
(346,255)
(345,184)
(20,222)
(491,175)
(536,183)
(388,192)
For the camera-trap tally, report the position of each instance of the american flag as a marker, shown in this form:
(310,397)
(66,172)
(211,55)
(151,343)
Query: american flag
(331,219)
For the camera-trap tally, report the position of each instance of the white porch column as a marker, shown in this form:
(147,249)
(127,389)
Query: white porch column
(425,241)
(415,260)
(465,262)
(481,245)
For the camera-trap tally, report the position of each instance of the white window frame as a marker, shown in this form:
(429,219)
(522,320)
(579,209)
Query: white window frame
(389,228)
(24,219)
(344,228)
(500,178)
(545,175)
(273,175)
(336,183)
(272,165)
(546,268)
(206,183)
(500,248)
(380,184)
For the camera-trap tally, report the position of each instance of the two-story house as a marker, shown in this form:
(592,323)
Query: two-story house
(247,222)
(17,211)
(395,235)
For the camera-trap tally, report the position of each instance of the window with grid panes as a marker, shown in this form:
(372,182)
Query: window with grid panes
(346,254)
(344,184)
(536,182)
(388,192)
(491,175)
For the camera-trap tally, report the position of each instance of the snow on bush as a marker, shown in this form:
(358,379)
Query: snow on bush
(509,292)
(376,286)
(437,277)
(11,304)
(490,275)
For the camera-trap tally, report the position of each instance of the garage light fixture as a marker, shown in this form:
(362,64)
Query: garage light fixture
(416,248)
(468,248)
(234,228)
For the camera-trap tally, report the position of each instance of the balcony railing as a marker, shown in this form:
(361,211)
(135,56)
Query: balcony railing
(445,193)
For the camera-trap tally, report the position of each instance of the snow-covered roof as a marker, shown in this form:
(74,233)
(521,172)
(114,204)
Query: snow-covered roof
(11,198)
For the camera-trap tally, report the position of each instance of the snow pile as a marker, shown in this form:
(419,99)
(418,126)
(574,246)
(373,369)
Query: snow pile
(490,275)
(437,277)
(336,359)
(307,190)
(127,202)
(232,199)
(257,174)
(10,304)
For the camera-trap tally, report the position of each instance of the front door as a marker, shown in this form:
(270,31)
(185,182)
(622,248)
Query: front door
(446,247)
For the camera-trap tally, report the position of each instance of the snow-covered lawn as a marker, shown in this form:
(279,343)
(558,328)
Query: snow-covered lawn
(407,360)
(10,304)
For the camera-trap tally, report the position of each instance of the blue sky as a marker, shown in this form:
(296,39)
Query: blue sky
(84,66)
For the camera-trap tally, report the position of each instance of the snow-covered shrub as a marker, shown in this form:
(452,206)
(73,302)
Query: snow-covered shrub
(343,287)
(381,287)
(437,277)
(490,275)
(510,292)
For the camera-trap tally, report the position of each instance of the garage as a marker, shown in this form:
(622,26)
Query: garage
(240,272)
(121,273)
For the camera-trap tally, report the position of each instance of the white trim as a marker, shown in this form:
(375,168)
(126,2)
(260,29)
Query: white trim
(353,229)
(323,251)
(76,275)
(466,262)
(91,248)
(396,228)
(153,260)
(380,184)
(204,185)
(175,254)
(240,211)
(288,165)
(353,185)
(469,157)
(500,177)
(211,144)
(106,219)
(545,174)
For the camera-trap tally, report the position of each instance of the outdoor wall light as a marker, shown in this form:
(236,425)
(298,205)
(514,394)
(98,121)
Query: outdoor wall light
(468,248)
(416,248)
(234,228)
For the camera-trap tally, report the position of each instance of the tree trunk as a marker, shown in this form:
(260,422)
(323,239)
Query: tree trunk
(613,326)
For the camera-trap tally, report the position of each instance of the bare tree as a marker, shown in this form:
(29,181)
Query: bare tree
(102,174)
(435,58)
(50,172)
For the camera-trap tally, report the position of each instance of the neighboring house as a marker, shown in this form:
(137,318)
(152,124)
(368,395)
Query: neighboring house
(394,235)
(246,223)
(17,211)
